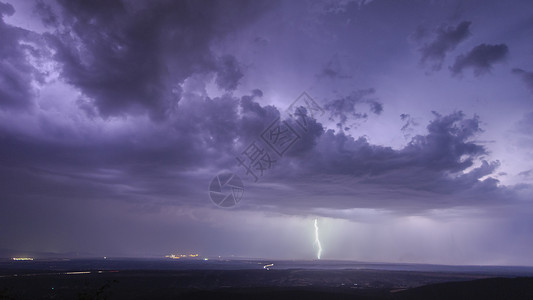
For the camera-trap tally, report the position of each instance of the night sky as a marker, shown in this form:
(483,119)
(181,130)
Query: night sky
(412,142)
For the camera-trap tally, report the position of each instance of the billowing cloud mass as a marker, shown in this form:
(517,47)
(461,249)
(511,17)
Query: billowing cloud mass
(129,57)
(480,58)
(116,115)
(229,73)
(439,165)
(16,73)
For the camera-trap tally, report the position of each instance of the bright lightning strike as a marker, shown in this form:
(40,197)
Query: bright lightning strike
(317,241)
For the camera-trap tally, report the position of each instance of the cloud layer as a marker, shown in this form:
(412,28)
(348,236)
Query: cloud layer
(115,116)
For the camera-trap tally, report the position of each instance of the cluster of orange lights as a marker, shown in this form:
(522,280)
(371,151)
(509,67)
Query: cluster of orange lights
(178,256)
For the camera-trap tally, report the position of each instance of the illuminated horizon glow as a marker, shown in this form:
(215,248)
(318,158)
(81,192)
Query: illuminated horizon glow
(317,240)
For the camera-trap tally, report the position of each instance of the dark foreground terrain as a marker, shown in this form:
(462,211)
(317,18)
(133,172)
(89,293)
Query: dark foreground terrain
(52,281)
(261,284)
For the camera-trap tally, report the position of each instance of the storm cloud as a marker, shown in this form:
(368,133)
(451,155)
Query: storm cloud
(440,163)
(16,73)
(133,58)
(116,115)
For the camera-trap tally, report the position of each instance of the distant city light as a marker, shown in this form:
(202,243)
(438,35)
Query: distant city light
(178,256)
(22,258)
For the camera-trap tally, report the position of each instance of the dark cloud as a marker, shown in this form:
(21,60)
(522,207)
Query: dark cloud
(446,147)
(154,166)
(309,138)
(346,110)
(375,107)
(132,58)
(206,133)
(16,73)
(447,38)
(435,170)
(229,73)
(527,77)
(6,9)
(46,13)
(254,117)
(480,58)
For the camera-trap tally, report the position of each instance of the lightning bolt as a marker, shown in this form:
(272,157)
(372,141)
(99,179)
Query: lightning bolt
(317,241)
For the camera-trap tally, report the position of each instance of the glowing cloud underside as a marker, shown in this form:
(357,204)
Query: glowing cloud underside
(317,241)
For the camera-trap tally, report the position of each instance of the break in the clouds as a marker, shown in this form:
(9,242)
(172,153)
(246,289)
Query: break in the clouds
(116,115)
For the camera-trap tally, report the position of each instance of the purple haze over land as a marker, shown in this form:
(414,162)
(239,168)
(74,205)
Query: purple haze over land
(116,115)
